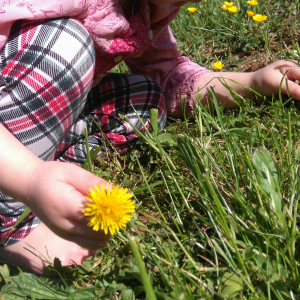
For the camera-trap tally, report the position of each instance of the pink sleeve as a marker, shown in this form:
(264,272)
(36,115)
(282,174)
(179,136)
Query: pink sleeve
(163,63)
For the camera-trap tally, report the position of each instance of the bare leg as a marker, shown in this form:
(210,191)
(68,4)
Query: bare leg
(40,239)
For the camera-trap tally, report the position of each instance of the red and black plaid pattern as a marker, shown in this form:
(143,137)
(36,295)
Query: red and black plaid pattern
(127,95)
(46,71)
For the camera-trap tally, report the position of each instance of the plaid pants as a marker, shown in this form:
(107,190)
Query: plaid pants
(46,101)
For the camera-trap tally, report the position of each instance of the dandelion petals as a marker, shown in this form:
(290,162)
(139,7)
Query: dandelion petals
(109,209)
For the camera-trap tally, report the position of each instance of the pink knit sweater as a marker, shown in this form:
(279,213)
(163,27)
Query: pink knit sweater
(144,41)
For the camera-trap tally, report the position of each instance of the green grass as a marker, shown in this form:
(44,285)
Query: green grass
(217,192)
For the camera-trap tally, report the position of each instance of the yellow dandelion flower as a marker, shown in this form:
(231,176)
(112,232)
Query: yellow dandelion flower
(228,4)
(111,209)
(233,9)
(218,65)
(224,7)
(250,13)
(192,10)
(252,2)
(259,18)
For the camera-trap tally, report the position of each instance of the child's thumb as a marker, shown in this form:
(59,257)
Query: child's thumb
(83,180)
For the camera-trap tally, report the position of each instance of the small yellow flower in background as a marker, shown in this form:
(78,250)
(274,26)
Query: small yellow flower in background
(110,210)
(218,65)
(233,9)
(252,2)
(250,13)
(228,4)
(192,9)
(259,18)
(224,7)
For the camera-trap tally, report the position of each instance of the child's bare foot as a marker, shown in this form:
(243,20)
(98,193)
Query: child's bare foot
(40,239)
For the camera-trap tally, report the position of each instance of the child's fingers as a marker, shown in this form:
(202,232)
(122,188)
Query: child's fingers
(73,206)
(290,84)
(291,88)
(88,243)
(83,180)
(75,231)
(87,237)
(292,72)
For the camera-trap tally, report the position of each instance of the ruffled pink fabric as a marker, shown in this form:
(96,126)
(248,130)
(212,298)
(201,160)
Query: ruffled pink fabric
(144,41)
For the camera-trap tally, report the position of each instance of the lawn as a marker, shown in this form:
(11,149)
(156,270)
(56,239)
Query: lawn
(217,192)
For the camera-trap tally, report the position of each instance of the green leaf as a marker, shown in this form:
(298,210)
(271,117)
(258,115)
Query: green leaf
(128,294)
(248,253)
(167,138)
(28,285)
(4,271)
(154,122)
(267,176)
(83,294)
(93,154)
(25,213)
(232,285)
(57,265)
(11,297)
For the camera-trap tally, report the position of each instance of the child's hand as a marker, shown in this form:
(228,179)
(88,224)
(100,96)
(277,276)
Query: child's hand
(56,192)
(267,81)
(53,190)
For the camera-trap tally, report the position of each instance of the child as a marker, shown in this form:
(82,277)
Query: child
(54,83)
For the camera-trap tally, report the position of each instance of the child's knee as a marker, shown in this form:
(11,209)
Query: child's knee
(75,46)
(46,72)
(58,50)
